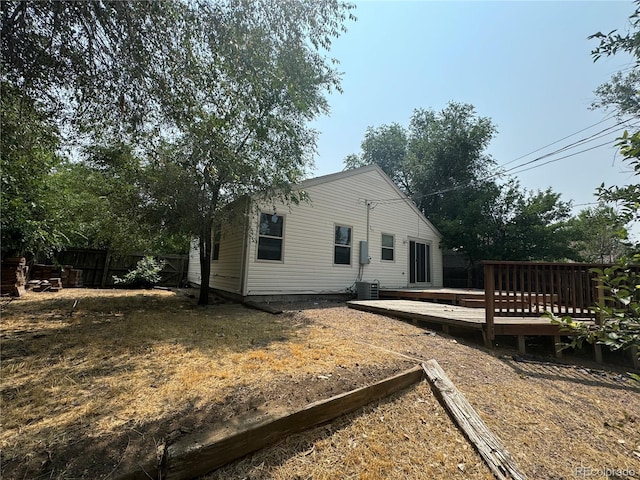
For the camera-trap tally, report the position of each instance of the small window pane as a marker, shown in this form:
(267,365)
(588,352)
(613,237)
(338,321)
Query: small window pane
(270,234)
(343,235)
(271,225)
(387,247)
(269,248)
(342,255)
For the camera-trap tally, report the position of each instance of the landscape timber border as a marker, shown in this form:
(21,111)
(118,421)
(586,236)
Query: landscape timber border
(198,454)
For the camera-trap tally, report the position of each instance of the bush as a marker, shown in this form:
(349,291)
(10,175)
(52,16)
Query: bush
(145,275)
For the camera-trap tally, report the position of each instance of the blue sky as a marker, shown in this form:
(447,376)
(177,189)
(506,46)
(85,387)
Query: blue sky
(526,65)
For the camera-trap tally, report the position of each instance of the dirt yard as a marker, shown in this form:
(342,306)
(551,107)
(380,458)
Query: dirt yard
(91,390)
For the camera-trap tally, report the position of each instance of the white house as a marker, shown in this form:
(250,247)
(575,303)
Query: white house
(356,226)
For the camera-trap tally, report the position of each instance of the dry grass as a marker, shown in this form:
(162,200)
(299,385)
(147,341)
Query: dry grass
(406,436)
(126,363)
(84,395)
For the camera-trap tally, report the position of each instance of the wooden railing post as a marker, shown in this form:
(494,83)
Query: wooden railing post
(489,305)
(600,301)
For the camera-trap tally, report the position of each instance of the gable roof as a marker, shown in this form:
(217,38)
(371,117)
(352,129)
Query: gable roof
(332,177)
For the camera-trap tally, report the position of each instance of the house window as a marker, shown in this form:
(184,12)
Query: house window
(387,247)
(270,236)
(215,254)
(342,245)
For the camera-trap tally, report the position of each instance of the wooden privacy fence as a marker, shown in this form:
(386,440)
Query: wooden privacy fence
(528,289)
(99,266)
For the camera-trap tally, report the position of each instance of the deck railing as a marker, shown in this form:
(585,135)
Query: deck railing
(528,289)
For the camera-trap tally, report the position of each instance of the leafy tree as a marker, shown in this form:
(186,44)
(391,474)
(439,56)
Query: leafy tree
(600,234)
(29,141)
(440,162)
(71,69)
(103,203)
(94,65)
(627,196)
(527,226)
(237,105)
(221,90)
(447,160)
(385,146)
(622,95)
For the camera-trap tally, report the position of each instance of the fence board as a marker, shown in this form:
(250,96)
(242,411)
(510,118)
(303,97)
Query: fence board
(99,266)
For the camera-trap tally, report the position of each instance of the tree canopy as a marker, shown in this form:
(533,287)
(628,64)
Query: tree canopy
(440,161)
(178,108)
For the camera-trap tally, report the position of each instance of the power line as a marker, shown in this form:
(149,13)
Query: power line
(590,138)
(558,141)
(559,158)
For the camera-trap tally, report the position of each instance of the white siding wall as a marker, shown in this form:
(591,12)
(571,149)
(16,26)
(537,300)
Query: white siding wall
(227,270)
(193,270)
(309,239)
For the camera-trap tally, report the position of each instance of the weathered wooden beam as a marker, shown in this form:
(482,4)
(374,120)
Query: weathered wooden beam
(265,307)
(192,456)
(488,445)
(489,306)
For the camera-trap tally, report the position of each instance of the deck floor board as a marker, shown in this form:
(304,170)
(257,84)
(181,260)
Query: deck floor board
(473,318)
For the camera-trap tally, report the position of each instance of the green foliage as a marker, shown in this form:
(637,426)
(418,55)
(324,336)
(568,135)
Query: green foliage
(95,64)
(622,93)
(237,105)
(102,200)
(627,196)
(145,275)
(527,226)
(440,162)
(385,146)
(613,42)
(445,155)
(619,309)
(600,234)
(216,94)
(62,63)
(29,222)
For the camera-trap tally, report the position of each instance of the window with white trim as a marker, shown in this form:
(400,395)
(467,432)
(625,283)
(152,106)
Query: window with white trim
(270,237)
(342,245)
(388,247)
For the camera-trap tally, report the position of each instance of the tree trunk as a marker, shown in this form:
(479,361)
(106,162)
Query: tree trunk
(205,262)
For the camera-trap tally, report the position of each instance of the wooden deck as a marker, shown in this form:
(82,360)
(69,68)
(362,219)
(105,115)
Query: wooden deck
(463,317)
(456,296)
(454,315)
